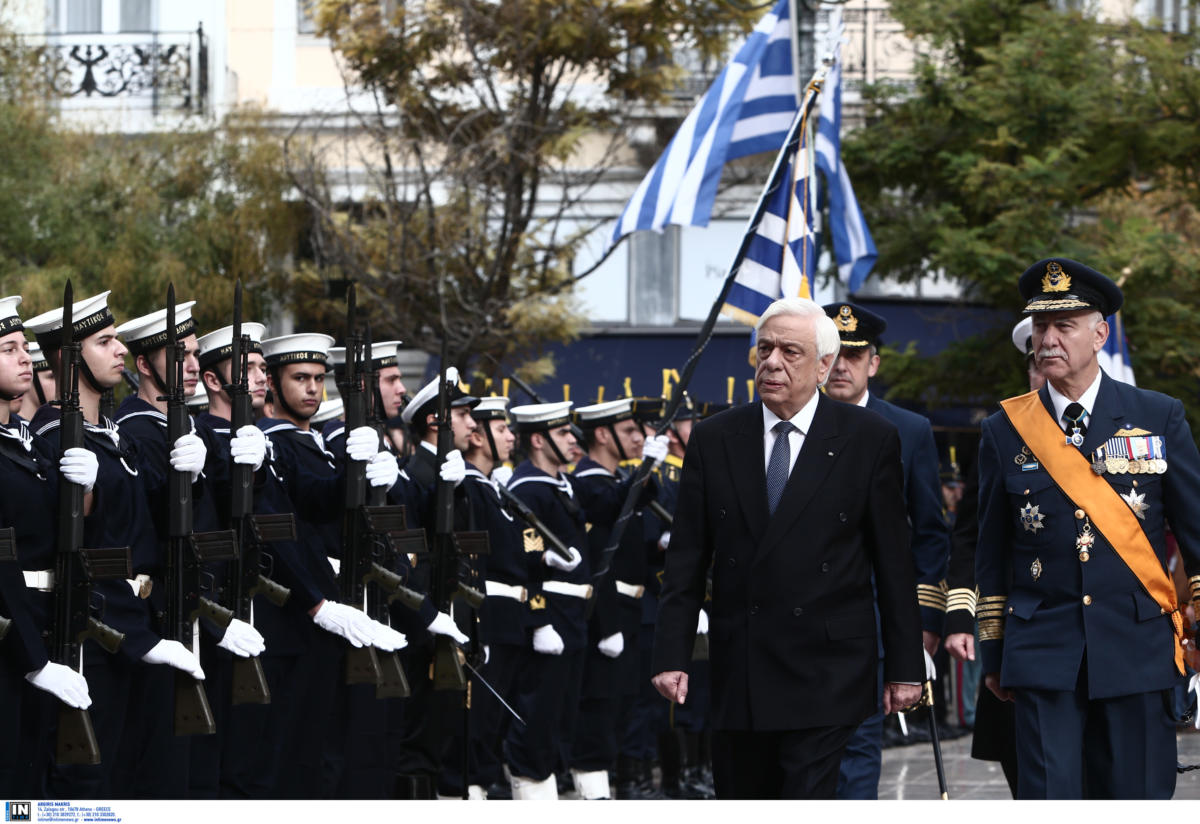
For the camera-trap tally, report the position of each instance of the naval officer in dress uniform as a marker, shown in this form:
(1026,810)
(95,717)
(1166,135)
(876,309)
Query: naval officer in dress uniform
(1078,618)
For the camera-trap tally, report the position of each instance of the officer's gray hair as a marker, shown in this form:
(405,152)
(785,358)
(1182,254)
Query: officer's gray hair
(828,340)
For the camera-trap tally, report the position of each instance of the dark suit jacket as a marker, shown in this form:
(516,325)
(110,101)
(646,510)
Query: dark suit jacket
(1046,630)
(792,630)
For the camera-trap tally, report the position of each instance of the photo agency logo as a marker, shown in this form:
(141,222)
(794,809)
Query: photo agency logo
(17,810)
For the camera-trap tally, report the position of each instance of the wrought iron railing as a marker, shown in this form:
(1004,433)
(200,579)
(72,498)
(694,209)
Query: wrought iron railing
(162,70)
(876,47)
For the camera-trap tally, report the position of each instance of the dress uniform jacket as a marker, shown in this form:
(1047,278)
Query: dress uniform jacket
(923,494)
(792,630)
(503,620)
(1042,606)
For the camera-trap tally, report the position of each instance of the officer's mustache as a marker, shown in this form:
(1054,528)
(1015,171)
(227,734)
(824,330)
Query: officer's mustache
(1051,353)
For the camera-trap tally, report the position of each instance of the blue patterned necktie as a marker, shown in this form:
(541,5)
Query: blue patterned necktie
(780,463)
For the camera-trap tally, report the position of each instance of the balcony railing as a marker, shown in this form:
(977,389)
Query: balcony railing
(876,48)
(162,71)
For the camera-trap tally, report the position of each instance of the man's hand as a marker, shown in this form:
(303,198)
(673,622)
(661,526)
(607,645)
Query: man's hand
(930,641)
(900,697)
(672,685)
(992,681)
(961,646)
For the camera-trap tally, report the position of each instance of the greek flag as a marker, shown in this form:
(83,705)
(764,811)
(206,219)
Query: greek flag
(852,244)
(747,110)
(781,257)
(1114,357)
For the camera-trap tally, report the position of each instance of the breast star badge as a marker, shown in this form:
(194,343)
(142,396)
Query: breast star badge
(1137,502)
(1031,519)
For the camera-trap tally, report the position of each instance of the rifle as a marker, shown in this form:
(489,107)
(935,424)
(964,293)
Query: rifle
(186,551)
(246,578)
(74,568)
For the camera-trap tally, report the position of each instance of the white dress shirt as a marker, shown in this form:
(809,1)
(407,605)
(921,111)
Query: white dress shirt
(1087,400)
(802,421)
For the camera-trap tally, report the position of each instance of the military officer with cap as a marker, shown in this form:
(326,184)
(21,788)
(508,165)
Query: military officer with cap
(857,363)
(305,670)
(612,435)
(548,692)
(389,390)
(29,473)
(1078,620)
(120,518)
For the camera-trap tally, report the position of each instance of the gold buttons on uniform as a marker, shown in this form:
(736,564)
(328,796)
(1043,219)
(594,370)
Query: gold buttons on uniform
(1087,600)
(1010,610)
(1026,492)
(1080,514)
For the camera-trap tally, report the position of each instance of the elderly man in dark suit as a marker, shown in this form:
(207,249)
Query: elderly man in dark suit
(795,502)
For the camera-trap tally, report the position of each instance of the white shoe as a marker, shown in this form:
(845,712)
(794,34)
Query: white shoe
(592,785)
(475,792)
(528,789)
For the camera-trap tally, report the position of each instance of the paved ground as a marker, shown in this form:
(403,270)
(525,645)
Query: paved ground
(909,773)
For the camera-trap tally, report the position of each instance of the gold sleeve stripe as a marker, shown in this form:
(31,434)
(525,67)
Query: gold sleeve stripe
(991,629)
(963,598)
(931,595)
(1194,583)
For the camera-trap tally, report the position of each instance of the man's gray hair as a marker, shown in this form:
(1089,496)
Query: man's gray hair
(828,340)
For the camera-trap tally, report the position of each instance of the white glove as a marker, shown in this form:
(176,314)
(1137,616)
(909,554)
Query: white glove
(552,559)
(453,468)
(63,683)
(612,646)
(501,474)
(547,641)
(443,624)
(702,623)
(249,447)
(362,443)
(388,639)
(79,465)
(175,654)
(930,667)
(382,470)
(242,640)
(346,622)
(664,541)
(656,448)
(188,455)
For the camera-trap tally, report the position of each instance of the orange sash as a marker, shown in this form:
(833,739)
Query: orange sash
(1105,507)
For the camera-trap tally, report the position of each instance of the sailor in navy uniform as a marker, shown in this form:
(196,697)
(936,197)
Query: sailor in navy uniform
(548,693)
(193,763)
(1074,624)
(611,435)
(29,474)
(305,670)
(857,362)
(120,518)
(429,712)
(42,387)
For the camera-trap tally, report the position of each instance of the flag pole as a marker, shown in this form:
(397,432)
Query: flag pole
(795,133)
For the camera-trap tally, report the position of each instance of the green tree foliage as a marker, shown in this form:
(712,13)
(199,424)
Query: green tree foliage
(477,128)
(1032,132)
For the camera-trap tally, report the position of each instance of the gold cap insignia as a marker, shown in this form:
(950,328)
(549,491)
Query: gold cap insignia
(1055,279)
(845,320)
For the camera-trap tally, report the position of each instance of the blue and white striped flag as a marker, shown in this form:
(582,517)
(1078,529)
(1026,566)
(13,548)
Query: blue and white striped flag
(852,244)
(747,110)
(781,258)
(1114,357)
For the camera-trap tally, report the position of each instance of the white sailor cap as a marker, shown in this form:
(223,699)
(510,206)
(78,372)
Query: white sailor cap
(425,401)
(10,321)
(306,347)
(328,410)
(217,346)
(40,364)
(383,355)
(599,414)
(88,316)
(149,332)
(337,359)
(198,403)
(541,417)
(494,408)
(1022,335)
